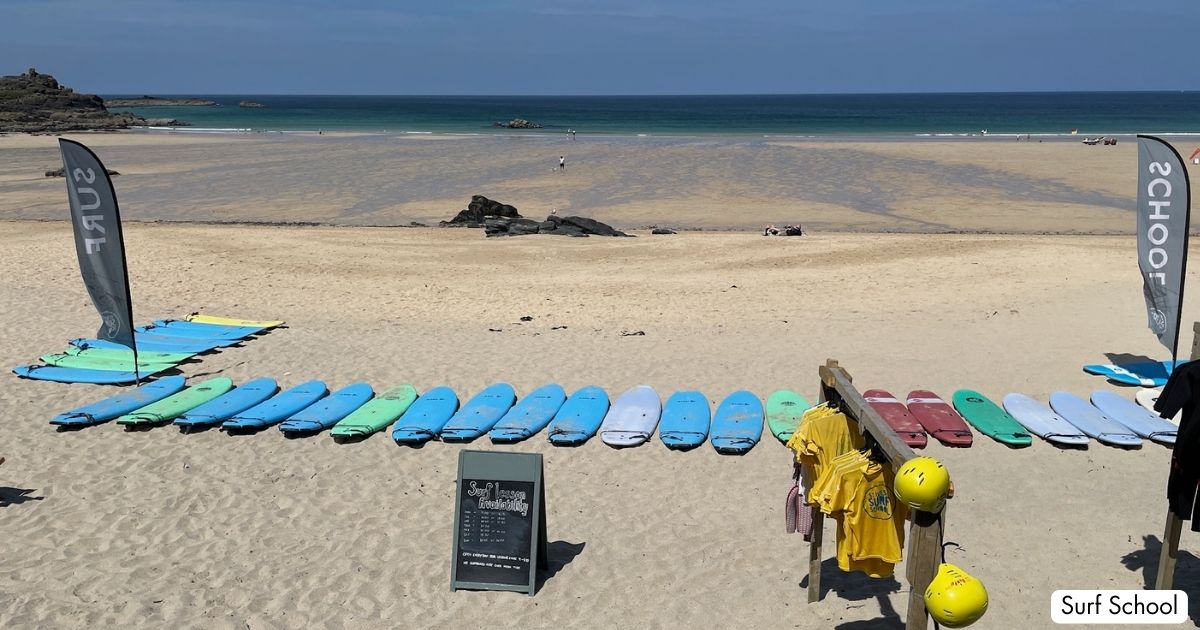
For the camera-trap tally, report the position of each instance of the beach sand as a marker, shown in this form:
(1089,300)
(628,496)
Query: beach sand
(108,529)
(712,182)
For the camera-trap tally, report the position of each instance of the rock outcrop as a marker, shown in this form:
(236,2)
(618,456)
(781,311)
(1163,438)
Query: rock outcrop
(37,103)
(158,101)
(60,171)
(479,210)
(518,123)
(250,104)
(554,224)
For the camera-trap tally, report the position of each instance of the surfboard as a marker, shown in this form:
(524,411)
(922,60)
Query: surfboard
(989,419)
(1147,399)
(784,409)
(173,406)
(328,411)
(897,416)
(142,344)
(211,328)
(1141,421)
(1147,374)
(1091,421)
(632,418)
(939,419)
(209,343)
(276,408)
(377,414)
(530,415)
(684,421)
(738,424)
(579,418)
(102,363)
(127,354)
(1042,421)
(426,418)
(480,414)
(228,405)
(77,375)
(120,404)
(229,321)
(192,332)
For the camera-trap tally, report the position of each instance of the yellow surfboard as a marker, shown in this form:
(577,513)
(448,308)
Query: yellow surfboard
(228,321)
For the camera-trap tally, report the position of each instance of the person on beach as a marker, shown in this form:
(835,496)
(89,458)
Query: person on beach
(562,163)
(770,230)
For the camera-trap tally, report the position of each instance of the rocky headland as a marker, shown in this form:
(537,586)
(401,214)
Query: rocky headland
(158,101)
(37,103)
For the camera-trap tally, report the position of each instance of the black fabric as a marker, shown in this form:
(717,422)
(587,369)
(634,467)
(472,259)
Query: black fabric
(1182,392)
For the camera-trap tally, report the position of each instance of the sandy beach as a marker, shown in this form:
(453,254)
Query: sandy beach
(101,528)
(710,182)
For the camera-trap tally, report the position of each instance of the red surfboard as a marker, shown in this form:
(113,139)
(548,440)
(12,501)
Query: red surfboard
(940,420)
(897,416)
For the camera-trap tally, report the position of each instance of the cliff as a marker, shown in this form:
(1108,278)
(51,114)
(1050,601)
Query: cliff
(35,102)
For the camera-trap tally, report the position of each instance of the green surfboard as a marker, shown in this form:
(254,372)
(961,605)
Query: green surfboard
(784,410)
(102,363)
(175,405)
(126,355)
(376,415)
(990,419)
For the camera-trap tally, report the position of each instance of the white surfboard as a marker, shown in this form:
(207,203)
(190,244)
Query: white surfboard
(632,418)
(1148,397)
(1091,421)
(1142,422)
(1042,421)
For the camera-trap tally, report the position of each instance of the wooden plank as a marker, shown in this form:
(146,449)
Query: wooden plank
(1195,341)
(1169,553)
(924,556)
(814,556)
(869,421)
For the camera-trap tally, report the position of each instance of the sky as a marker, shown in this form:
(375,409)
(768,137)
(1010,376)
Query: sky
(508,47)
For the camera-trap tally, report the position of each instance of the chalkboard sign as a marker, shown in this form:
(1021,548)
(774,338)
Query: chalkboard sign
(499,522)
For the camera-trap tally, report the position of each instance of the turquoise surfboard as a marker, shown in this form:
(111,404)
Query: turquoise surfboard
(530,415)
(227,405)
(426,418)
(275,409)
(1146,374)
(119,405)
(142,344)
(328,411)
(480,414)
(579,418)
(684,421)
(738,424)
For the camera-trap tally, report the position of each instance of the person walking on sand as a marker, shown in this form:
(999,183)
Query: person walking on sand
(562,163)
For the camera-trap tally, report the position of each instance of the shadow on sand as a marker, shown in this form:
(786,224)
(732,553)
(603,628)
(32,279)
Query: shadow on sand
(1187,570)
(559,554)
(16,496)
(856,587)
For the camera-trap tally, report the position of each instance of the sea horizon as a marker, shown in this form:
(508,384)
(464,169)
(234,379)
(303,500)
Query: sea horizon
(912,114)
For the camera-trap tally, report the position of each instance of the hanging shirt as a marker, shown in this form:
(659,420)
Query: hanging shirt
(1182,392)
(823,434)
(870,519)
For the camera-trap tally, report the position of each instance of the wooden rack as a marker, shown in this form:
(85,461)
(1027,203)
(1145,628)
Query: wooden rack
(1170,543)
(924,535)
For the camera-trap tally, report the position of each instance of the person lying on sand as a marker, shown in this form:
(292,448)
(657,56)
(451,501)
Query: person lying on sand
(770,230)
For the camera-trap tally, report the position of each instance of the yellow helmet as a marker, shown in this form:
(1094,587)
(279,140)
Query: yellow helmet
(923,484)
(954,598)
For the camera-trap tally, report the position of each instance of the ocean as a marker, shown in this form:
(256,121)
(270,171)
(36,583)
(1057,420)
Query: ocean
(905,115)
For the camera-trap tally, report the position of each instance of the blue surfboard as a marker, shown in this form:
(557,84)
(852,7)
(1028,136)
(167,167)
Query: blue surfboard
(579,418)
(426,417)
(1092,421)
(529,416)
(191,333)
(738,424)
(227,405)
(685,419)
(79,375)
(275,409)
(190,342)
(480,414)
(328,411)
(119,405)
(1149,374)
(149,346)
(212,330)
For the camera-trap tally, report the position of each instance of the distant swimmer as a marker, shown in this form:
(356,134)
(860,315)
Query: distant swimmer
(562,163)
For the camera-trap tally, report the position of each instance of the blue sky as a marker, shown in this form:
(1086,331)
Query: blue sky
(603,46)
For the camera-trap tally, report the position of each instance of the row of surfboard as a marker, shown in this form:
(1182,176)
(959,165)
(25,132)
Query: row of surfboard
(1068,420)
(161,346)
(355,411)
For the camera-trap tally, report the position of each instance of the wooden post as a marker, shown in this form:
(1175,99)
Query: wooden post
(1170,542)
(818,530)
(925,533)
